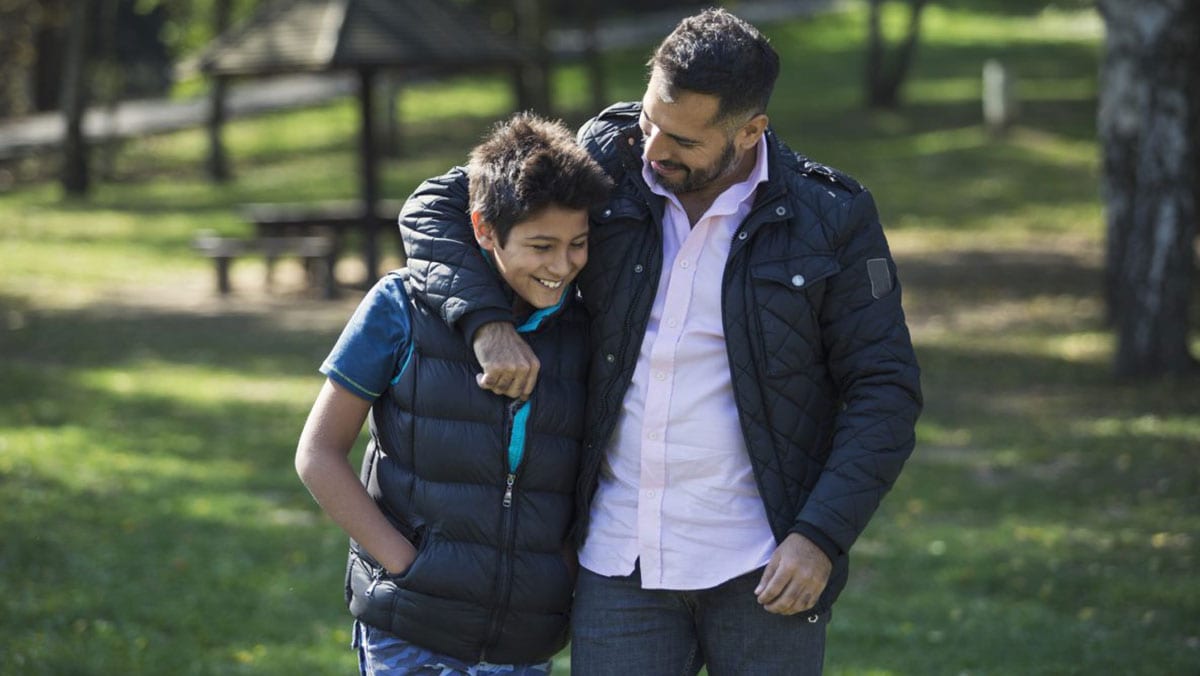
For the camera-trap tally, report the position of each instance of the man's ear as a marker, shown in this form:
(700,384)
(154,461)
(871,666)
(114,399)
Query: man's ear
(484,233)
(748,134)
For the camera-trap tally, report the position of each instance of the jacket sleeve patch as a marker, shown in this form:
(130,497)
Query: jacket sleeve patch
(881,277)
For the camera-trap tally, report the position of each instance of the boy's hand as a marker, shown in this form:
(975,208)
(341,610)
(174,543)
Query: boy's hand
(510,367)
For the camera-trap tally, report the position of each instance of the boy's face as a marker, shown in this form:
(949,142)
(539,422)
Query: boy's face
(543,253)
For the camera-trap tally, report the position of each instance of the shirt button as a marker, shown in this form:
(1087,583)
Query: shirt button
(653,435)
(684,265)
(649,494)
(798,280)
(659,375)
(672,323)
(610,357)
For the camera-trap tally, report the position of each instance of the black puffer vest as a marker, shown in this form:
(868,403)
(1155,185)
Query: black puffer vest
(489,581)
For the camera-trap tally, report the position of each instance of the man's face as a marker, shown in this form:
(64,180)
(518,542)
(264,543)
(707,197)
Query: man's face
(543,253)
(687,150)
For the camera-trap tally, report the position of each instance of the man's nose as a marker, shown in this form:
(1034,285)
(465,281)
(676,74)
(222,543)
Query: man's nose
(651,148)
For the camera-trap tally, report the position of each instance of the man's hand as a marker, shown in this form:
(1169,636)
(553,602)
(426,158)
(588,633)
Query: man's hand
(795,577)
(509,365)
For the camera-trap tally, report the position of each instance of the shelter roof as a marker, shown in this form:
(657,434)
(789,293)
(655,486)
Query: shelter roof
(317,35)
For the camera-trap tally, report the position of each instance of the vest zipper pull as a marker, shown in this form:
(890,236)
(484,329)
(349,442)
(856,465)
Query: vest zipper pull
(377,578)
(508,488)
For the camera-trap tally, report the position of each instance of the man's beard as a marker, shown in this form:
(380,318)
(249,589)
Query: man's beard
(698,179)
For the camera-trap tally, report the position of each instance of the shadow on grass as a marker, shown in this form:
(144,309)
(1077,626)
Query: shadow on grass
(151,524)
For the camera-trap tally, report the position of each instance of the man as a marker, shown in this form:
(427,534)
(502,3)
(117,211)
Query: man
(753,390)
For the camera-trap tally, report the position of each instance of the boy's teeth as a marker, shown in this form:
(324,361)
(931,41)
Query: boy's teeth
(552,285)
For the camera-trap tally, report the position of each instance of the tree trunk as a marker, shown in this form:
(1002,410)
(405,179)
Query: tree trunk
(883,79)
(1149,126)
(534,75)
(18,27)
(75,175)
(218,160)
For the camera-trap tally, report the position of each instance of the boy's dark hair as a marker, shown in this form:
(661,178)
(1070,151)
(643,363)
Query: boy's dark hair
(718,54)
(528,163)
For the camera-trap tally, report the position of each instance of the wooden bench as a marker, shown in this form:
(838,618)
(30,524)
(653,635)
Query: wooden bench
(317,252)
(333,219)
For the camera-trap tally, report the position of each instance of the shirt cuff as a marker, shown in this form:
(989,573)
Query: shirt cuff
(818,538)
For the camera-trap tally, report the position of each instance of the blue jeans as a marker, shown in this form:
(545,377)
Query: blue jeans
(382,654)
(618,628)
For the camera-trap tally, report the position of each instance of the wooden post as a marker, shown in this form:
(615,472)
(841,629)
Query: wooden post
(218,163)
(370,190)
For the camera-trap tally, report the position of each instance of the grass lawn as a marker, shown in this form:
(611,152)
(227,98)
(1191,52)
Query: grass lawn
(1047,524)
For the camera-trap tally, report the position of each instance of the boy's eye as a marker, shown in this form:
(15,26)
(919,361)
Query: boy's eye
(540,247)
(581,244)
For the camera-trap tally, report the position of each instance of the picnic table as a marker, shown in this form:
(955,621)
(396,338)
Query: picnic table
(312,231)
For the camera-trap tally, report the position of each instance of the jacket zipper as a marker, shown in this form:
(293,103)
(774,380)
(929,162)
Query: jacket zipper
(507,537)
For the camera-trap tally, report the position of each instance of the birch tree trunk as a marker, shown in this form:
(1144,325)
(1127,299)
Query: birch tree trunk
(1149,127)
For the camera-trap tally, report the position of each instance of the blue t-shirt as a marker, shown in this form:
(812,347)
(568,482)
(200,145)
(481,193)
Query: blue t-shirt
(375,344)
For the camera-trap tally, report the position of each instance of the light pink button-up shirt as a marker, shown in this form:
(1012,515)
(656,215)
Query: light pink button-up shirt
(677,491)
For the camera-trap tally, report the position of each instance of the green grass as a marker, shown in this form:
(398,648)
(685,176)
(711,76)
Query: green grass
(1047,523)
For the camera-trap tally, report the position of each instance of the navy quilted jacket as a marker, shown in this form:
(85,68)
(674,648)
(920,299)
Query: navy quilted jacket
(826,381)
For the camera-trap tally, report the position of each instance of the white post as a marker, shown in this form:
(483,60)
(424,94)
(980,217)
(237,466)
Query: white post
(999,101)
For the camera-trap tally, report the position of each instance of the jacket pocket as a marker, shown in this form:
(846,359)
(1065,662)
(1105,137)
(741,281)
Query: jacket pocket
(788,294)
(371,590)
(371,593)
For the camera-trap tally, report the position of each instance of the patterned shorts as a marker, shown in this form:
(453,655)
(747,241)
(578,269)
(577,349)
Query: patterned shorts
(382,654)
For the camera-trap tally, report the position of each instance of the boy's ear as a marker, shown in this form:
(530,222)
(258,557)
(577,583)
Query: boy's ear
(484,234)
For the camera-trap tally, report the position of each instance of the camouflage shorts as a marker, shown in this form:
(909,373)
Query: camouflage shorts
(382,654)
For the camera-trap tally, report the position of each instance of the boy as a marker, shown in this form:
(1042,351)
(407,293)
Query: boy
(458,526)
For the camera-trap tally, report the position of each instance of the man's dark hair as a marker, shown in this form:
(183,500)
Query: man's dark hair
(528,163)
(718,54)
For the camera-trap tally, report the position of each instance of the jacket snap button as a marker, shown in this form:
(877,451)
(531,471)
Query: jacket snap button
(638,268)
(610,357)
(798,280)
(607,213)
(780,211)
(742,235)
(812,619)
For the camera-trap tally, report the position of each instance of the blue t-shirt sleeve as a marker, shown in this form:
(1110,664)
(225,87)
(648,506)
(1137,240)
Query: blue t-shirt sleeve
(375,343)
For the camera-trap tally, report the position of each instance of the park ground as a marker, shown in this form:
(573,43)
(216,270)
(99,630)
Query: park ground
(1048,522)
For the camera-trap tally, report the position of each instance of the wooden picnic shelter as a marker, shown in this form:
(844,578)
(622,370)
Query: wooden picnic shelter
(366,37)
